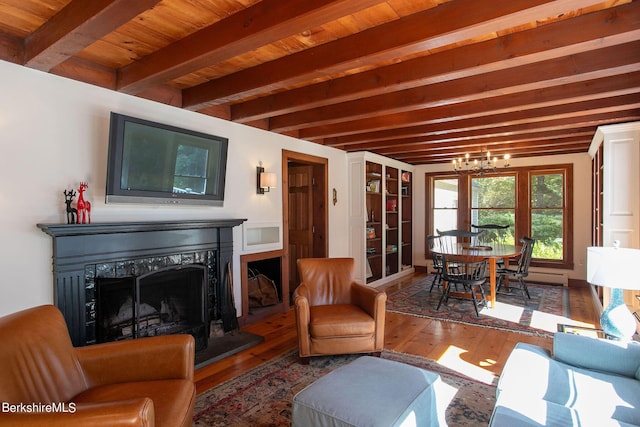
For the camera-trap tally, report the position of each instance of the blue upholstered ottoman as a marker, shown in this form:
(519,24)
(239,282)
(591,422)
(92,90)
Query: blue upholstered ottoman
(371,391)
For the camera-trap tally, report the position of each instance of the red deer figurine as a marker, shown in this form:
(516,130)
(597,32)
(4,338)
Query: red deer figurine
(84,207)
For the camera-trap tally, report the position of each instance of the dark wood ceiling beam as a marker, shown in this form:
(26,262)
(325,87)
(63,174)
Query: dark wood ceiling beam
(574,148)
(448,23)
(531,150)
(559,128)
(449,131)
(417,143)
(533,116)
(590,65)
(421,161)
(77,26)
(591,31)
(422,133)
(87,72)
(497,150)
(546,119)
(11,49)
(265,22)
(482,136)
(375,127)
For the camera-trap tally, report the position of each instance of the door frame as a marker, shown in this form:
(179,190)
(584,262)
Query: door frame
(321,173)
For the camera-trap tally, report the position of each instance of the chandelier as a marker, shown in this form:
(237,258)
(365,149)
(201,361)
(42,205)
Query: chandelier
(479,167)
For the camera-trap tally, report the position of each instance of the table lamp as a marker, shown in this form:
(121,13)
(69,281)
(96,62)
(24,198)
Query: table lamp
(614,267)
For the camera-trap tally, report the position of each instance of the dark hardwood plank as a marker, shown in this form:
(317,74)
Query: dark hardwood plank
(470,347)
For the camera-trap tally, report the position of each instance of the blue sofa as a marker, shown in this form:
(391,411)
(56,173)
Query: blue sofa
(587,382)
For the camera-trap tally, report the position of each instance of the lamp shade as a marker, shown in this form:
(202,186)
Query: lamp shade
(267,180)
(613,267)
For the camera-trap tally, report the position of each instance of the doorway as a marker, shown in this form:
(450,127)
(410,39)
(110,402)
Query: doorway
(305,210)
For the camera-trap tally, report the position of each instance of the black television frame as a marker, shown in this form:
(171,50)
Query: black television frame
(114,192)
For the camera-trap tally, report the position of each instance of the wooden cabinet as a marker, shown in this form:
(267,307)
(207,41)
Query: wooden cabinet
(380,217)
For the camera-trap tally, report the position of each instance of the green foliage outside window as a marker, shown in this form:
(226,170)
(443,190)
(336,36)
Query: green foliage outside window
(493,201)
(547,201)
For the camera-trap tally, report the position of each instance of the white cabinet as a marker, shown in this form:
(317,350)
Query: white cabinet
(619,149)
(380,217)
(616,187)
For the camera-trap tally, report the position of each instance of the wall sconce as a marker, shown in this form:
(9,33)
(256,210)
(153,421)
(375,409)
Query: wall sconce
(266,180)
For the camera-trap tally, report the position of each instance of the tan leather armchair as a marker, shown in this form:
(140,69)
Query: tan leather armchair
(334,314)
(143,382)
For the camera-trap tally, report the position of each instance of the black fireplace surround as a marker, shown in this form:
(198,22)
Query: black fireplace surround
(137,265)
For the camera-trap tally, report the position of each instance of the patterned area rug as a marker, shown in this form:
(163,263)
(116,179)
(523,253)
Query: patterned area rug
(548,306)
(263,396)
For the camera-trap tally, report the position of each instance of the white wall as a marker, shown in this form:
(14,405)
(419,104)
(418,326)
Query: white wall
(581,206)
(54,134)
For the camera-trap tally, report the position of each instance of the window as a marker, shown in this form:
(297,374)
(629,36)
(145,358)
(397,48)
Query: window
(493,201)
(547,214)
(445,204)
(534,201)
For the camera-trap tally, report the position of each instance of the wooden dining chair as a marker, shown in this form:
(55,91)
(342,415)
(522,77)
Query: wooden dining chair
(493,233)
(450,238)
(468,274)
(520,272)
(436,259)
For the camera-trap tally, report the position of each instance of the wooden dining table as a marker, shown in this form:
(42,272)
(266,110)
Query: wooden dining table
(492,253)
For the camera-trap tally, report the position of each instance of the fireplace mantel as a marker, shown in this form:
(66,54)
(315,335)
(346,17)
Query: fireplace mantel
(77,247)
(59,230)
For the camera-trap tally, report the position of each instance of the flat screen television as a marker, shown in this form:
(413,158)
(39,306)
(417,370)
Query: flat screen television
(155,163)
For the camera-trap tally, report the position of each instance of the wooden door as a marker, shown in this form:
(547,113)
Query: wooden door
(300,218)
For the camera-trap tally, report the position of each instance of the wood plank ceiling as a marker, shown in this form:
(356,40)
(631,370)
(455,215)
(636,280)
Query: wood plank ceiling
(421,81)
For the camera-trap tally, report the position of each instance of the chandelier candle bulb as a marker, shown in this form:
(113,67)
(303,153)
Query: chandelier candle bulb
(480,165)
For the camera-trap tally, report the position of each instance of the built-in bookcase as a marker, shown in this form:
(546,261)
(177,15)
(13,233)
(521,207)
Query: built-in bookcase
(380,217)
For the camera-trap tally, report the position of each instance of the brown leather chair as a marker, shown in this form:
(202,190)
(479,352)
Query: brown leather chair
(147,381)
(334,314)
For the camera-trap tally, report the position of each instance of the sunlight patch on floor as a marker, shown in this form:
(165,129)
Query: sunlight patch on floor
(549,322)
(539,320)
(452,359)
(508,312)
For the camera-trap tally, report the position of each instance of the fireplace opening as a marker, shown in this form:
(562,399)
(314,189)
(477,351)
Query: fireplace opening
(272,264)
(172,300)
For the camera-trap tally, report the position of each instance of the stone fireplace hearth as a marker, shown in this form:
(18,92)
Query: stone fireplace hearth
(119,261)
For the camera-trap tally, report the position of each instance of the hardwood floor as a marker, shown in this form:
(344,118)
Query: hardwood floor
(472,349)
